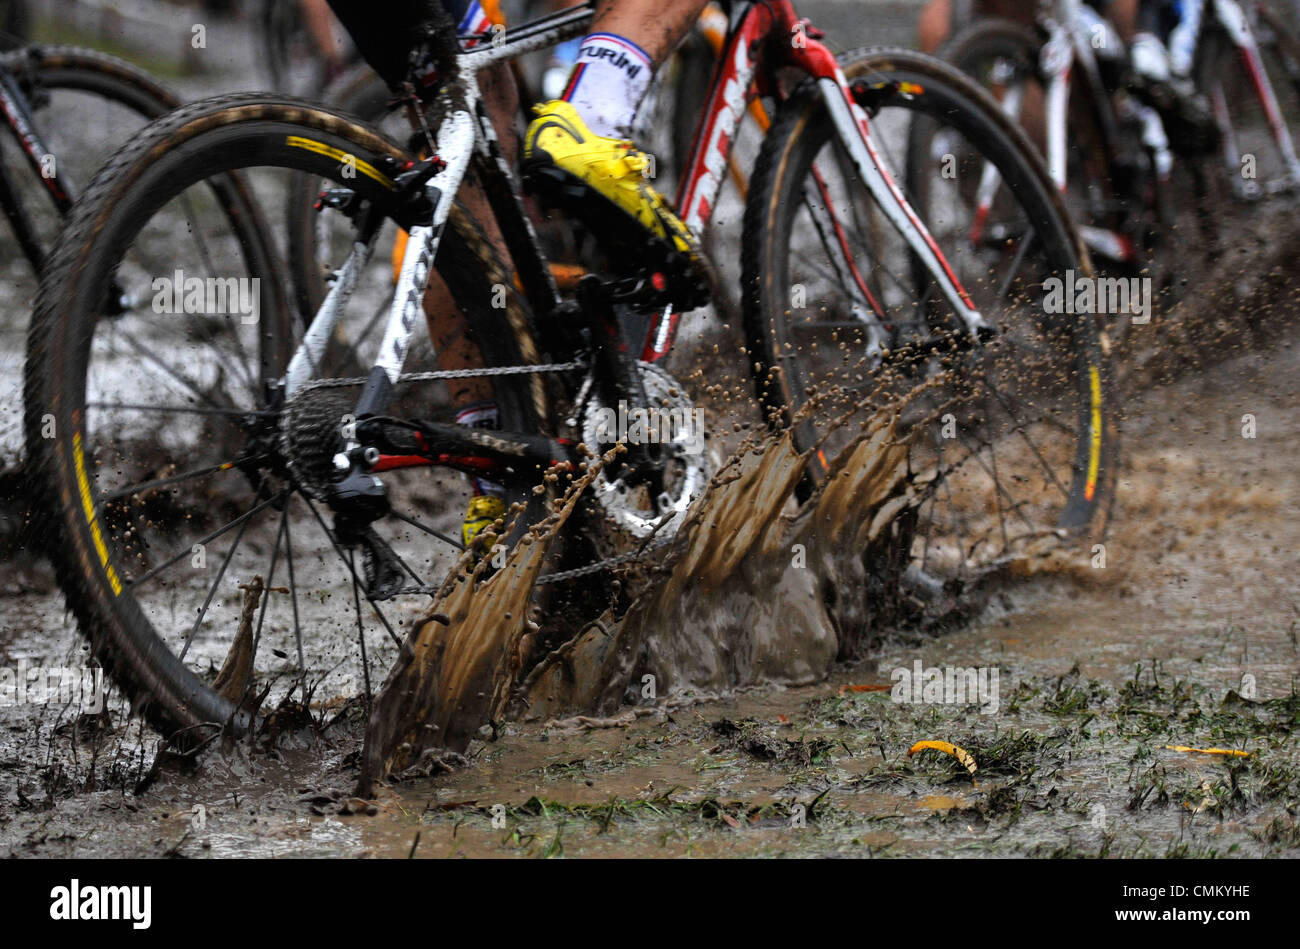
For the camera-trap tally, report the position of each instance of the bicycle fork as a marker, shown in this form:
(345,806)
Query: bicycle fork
(853,127)
(1233,20)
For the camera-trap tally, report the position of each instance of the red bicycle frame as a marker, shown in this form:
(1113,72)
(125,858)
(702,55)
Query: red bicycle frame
(762,39)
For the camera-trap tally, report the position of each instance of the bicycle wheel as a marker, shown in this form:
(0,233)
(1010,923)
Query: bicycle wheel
(1259,148)
(1111,191)
(84,105)
(176,474)
(1018,445)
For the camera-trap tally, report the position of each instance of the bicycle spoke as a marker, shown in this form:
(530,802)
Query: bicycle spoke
(243,375)
(206,256)
(1011,502)
(150,574)
(956,521)
(293,593)
(212,590)
(428,530)
(351,352)
(176,479)
(1016,264)
(1043,415)
(342,556)
(1002,521)
(1020,429)
(361,632)
(270,573)
(143,351)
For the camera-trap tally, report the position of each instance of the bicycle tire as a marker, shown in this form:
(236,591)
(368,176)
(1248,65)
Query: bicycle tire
(63,68)
(1092,196)
(799,132)
(216,134)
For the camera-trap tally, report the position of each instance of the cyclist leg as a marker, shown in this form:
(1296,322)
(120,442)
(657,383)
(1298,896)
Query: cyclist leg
(934,25)
(386,42)
(583,137)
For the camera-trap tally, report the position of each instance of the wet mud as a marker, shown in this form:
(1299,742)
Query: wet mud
(773,723)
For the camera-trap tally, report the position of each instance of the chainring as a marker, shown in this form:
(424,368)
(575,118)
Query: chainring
(631,510)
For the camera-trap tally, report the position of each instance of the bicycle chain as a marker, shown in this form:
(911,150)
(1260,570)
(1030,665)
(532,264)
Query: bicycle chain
(608,563)
(560,576)
(436,374)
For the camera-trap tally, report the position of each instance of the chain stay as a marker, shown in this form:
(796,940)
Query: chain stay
(560,576)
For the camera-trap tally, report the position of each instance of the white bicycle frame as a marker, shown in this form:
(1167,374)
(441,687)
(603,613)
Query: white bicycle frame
(468,129)
(1236,25)
(1069,47)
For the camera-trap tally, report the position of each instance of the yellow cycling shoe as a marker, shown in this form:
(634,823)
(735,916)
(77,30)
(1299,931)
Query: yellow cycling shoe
(483,511)
(605,181)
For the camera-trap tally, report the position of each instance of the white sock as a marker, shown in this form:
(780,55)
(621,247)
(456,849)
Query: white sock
(608,83)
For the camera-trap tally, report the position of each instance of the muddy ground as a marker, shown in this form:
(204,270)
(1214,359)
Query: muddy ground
(1098,672)
(1187,637)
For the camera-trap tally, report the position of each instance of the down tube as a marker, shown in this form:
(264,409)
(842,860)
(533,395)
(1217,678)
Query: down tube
(851,124)
(697,193)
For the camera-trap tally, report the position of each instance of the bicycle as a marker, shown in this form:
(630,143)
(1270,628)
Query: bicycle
(665,124)
(64,109)
(261,434)
(1111,153)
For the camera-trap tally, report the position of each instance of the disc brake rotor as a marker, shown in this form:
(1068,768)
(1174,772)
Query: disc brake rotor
(637,509)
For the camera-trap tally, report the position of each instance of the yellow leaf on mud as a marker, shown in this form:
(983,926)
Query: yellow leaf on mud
(1210,751)
(961,754)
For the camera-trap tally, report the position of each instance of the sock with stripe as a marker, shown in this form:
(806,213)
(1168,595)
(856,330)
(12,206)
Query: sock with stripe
(482,415)
(608,83)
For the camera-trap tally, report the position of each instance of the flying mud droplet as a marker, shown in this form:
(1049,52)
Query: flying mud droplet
(725,610)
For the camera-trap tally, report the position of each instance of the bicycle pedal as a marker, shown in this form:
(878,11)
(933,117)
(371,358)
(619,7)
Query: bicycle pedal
(639,291)
(553,188)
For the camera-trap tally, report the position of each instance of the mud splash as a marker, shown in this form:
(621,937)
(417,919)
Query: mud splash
(754,589)
(457,665)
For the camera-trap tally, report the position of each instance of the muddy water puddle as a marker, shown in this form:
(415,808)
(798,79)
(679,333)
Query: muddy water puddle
(1186,637)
